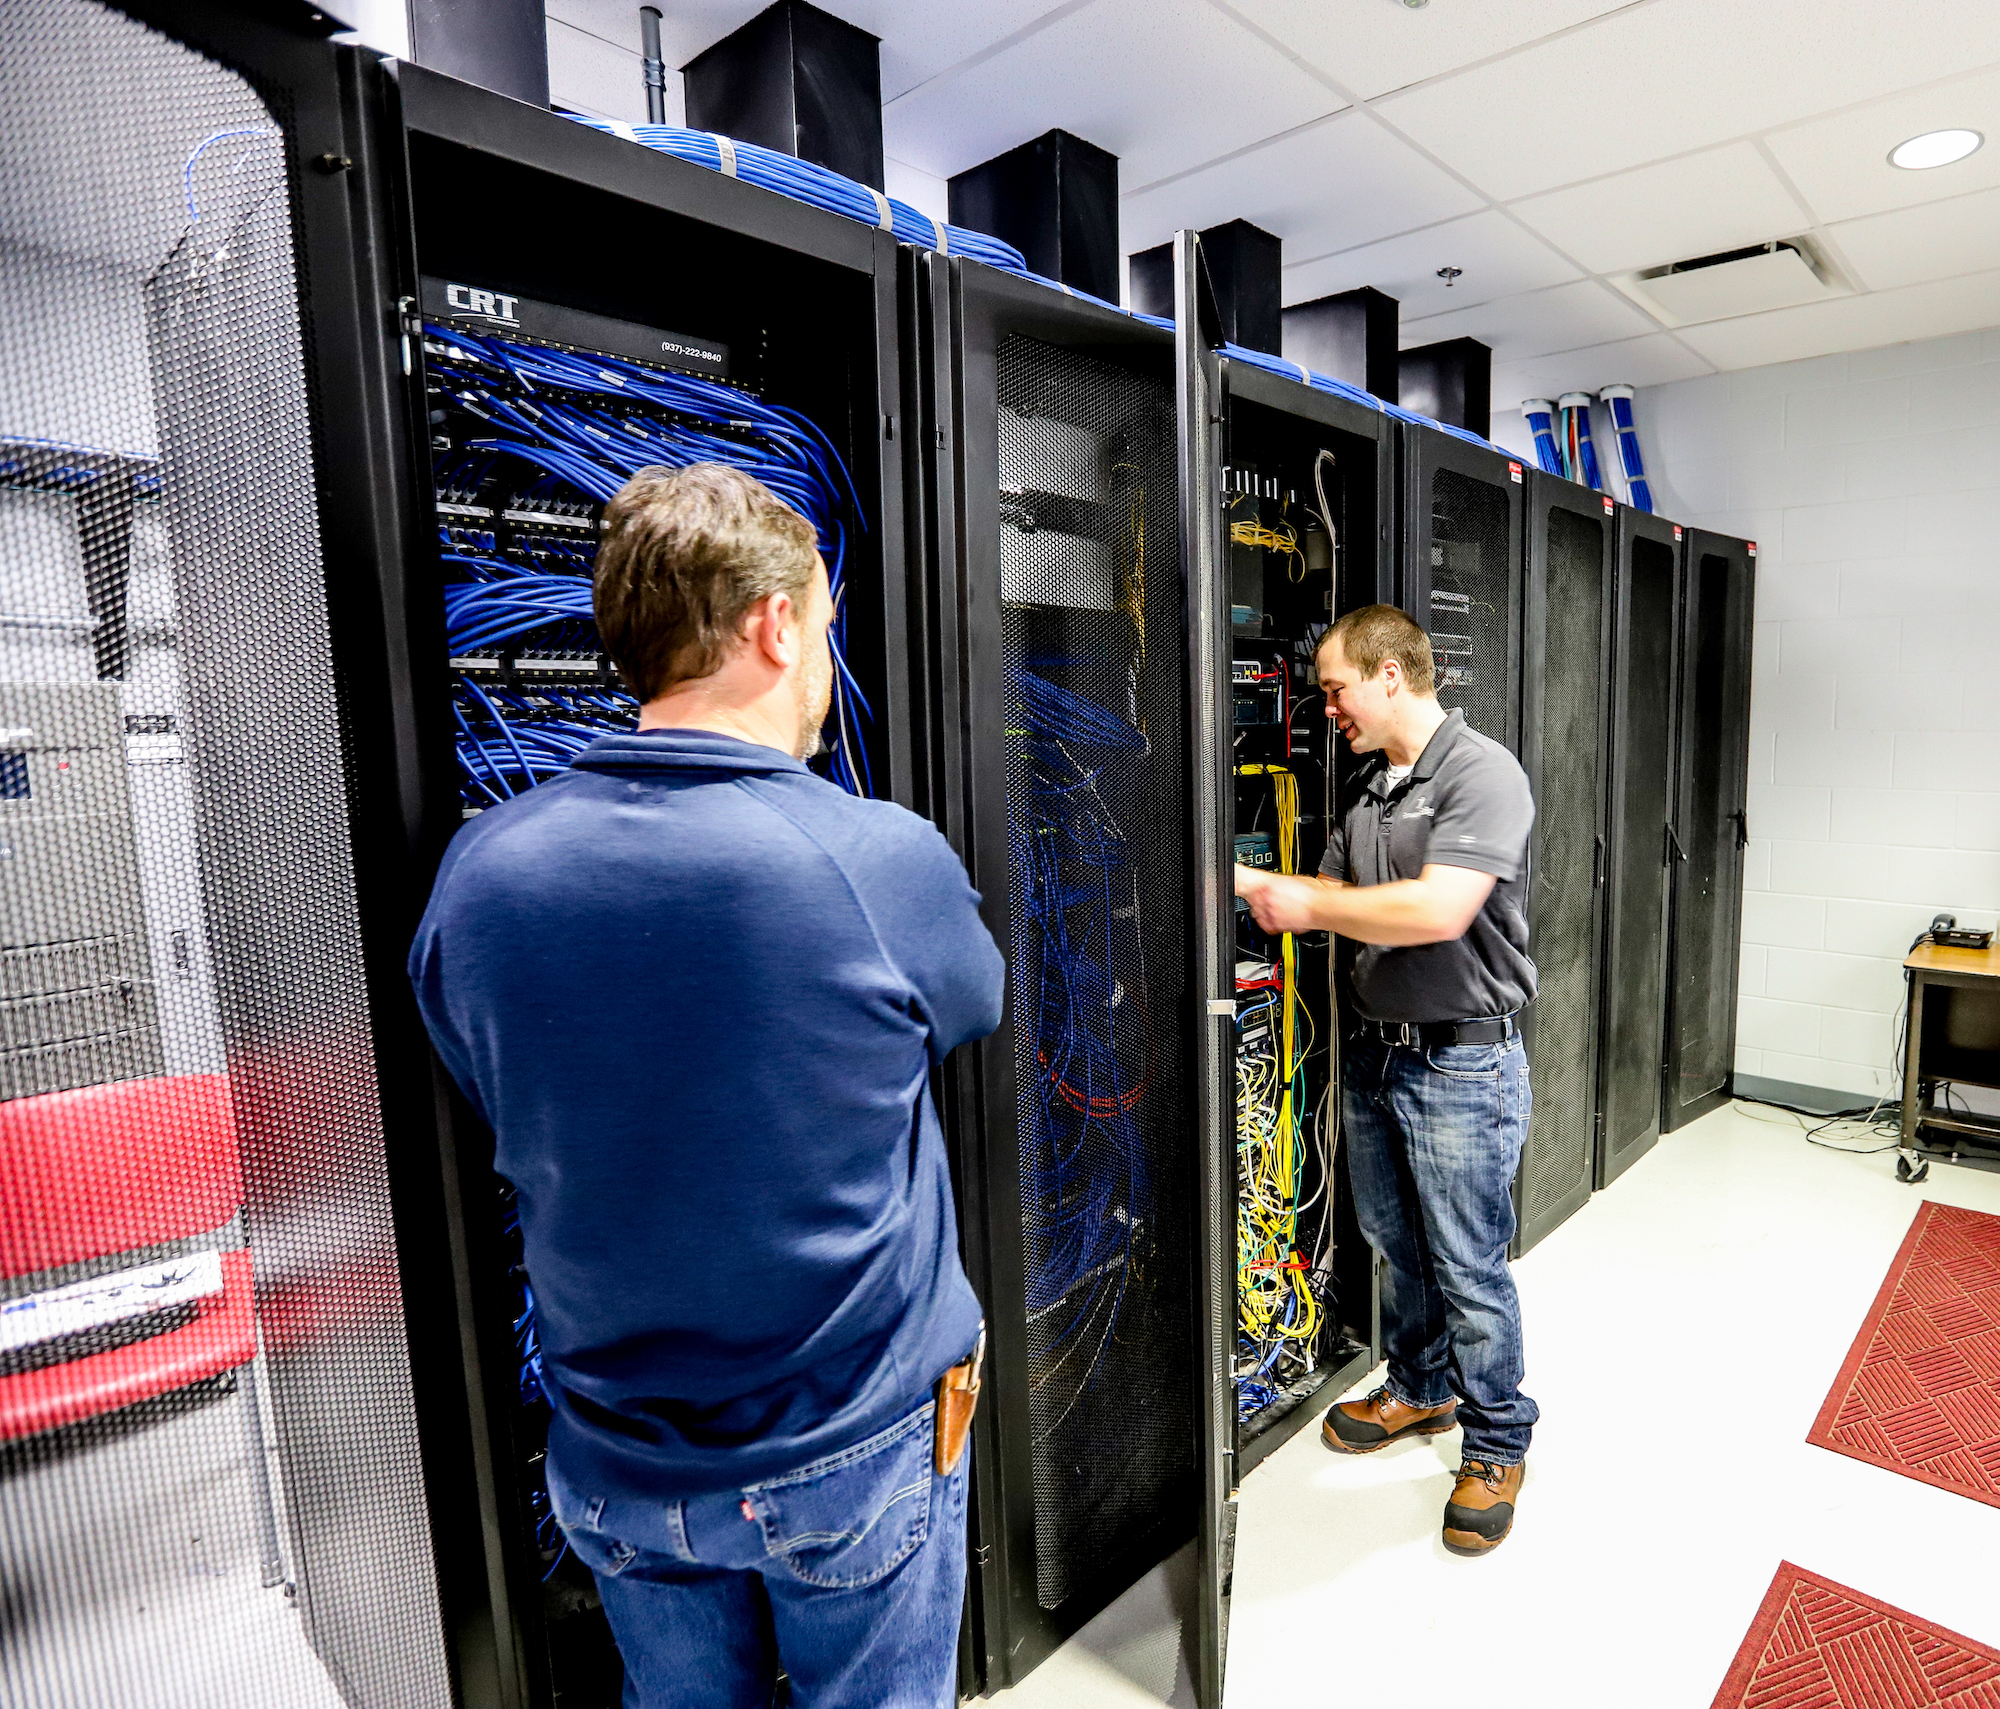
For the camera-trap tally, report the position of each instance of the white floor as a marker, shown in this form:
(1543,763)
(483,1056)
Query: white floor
(1683,1331)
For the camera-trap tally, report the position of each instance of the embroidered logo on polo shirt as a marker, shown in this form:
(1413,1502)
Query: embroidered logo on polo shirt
(1420,809)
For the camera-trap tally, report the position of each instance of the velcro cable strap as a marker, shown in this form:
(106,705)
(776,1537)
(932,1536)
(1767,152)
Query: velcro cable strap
(1305,373)
(727,150)
(884,220)
(620,128)
(943,235)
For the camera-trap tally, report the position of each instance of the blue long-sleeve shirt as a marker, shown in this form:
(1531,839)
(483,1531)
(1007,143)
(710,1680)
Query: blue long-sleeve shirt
(697,993)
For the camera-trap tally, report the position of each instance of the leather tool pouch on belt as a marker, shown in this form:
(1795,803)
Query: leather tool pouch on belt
(957,1399)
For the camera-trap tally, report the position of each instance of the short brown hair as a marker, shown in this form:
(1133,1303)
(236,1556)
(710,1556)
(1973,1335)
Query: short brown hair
(686,553)
(1377,632)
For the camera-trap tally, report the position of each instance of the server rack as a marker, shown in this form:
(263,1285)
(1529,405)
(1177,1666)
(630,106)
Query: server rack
(1566,698)
(1645,659)
(1461,572)
(1287,449)
(1060,770)
(806,307)
(1711,823)
(200,260)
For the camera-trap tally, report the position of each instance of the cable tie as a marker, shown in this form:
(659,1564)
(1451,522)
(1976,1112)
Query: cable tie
(943,244)
(618,127)
(1305,373)
(884,220)
(727,151)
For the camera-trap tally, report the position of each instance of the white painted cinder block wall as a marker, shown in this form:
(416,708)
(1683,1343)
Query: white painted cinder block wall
(1871,483)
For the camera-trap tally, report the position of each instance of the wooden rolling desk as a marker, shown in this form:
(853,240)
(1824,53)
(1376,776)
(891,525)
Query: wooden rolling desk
(1954,1034)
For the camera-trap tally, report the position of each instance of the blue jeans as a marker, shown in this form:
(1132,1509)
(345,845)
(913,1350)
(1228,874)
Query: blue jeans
(1434,1137)
(851,1571)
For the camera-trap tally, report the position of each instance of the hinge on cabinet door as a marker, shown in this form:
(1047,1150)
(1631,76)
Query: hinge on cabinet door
(1597,860)
(1742,828)
(1674,849)
(408,321)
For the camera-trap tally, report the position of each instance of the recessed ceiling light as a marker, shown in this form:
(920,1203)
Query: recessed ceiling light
(1414,4)
(1934,148)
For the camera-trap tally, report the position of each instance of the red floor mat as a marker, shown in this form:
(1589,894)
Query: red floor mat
(1818,1645)
(1920,1392)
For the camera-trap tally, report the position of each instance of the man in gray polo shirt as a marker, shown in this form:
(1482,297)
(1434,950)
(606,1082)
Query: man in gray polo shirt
(1426,868)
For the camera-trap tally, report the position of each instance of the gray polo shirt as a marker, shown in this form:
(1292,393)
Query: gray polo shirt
(1465,803)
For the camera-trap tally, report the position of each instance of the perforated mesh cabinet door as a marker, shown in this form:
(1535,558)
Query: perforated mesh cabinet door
(1710,794)
(1099,883)
(1563,749)
(210,1490)
(1462,574)
(1634,1016)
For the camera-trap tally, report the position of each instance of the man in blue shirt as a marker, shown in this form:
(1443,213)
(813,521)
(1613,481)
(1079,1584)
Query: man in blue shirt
(698,993)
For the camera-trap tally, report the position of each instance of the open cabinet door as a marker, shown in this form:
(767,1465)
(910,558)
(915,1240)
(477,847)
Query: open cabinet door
(1061,775)
(1196,339)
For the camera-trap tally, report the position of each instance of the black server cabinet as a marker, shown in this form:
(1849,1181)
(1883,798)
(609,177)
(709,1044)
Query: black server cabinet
(1059,768)
(504,205)
(1644,662)
(1711,825)
(199,277)
(1565,714)
(1304,519)
(1461,572)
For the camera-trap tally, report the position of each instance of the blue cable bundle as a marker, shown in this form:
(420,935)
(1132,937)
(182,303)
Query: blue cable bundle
(1541,418)
(1619,400)
(1078,937)
(587,424)
(817,186)
(1579,455)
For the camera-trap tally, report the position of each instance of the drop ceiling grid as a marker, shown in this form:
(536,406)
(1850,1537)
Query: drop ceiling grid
(1164,84)
(1499,258)
(1365,183)
(1545,143)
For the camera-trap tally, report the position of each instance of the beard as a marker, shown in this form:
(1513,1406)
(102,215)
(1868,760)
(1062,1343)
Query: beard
(815,698)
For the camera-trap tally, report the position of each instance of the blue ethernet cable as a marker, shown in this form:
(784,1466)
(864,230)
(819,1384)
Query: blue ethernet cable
(1080,956)
(1626,427)
(816,185)
(1579,454)
(1541,418)
(587,423)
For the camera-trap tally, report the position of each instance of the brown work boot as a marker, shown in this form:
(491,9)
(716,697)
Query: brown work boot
(1481,1510)
(1362,1426)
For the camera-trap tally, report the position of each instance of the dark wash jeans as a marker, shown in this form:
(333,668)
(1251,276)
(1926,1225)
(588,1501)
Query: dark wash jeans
(1433,1139)
(849,1571)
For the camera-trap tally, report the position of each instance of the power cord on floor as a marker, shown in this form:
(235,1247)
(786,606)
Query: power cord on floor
(1865,1117)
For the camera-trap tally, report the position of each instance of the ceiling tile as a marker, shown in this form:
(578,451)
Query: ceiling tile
(1164,84)
(1371,47)
(1938,241)
(1645,361)
(1569,317)
(1850,323)
(1722,199)
(1333,185)
(1651,81)
(920,38)
(1841,164)
(1495,256)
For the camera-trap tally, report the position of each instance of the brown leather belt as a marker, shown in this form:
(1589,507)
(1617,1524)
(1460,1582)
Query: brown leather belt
(957,1400)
